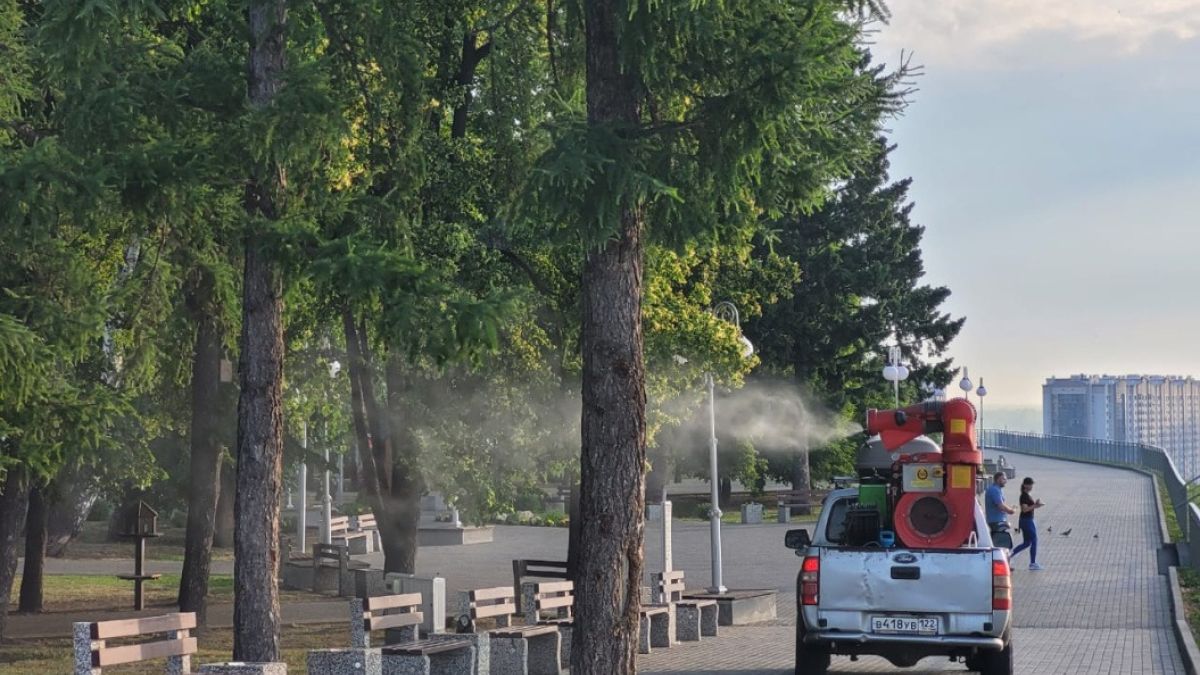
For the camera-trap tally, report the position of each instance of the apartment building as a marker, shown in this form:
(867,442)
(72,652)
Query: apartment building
(1159,410)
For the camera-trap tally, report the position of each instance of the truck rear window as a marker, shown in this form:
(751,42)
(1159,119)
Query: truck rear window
(835,529)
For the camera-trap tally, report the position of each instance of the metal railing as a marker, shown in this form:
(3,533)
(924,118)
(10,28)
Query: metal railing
(1120,453)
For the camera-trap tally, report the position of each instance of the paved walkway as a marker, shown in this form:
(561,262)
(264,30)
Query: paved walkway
(1100,606)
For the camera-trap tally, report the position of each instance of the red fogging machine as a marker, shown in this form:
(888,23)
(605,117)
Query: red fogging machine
(931,493)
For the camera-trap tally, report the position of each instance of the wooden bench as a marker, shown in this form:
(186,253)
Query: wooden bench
(800,501)
(365,524)
(92,653)
(551,603)
(535,569)
(358,543)
(522,650)
(403,649)
(693,617)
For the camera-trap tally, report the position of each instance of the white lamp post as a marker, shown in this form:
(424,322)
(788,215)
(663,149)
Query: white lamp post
(894,371)
(728,312)
(981,392)
(965,383)
(326,498)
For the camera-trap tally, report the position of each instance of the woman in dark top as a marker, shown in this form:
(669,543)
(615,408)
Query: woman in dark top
(1027,524)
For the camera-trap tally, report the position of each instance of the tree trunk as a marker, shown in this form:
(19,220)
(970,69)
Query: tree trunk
(227,495)
(260,406)
(205,478)
(404,502)
(613,425)
(13,503)
(75,493)
(724,492)
(35,552)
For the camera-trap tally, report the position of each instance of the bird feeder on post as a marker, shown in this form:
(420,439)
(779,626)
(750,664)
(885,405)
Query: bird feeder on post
(143,526)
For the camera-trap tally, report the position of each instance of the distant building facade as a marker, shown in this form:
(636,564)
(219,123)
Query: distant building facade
(1159,410)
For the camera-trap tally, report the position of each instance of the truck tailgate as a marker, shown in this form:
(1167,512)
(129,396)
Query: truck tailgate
(903,580)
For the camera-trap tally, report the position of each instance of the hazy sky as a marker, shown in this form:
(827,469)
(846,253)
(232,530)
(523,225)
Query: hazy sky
(1055,152)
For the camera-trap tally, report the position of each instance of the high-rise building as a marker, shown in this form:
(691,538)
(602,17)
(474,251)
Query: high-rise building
(1159,410)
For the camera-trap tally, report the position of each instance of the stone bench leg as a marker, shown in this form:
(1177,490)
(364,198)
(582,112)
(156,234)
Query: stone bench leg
(482,652)
(709,615)
(785,514)
(687,623)
(662,629)
(345,661)
(457,662)
(402,664)
(545,654)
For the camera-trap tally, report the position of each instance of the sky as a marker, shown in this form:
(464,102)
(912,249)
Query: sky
(1055,154)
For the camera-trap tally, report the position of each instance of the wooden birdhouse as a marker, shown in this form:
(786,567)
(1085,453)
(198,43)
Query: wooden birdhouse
(147,520)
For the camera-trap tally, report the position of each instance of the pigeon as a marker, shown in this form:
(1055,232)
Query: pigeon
(1067,532)
(1049,529)
(1096,536)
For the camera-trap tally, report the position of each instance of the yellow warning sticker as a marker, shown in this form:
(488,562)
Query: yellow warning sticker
(958,426)
(962,475)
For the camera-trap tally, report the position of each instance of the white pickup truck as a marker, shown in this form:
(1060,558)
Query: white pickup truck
(903,604)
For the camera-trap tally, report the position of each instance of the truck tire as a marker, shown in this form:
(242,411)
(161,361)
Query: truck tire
(997,663)
(810,660)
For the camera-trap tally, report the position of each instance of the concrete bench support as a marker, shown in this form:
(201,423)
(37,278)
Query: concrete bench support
(353,661)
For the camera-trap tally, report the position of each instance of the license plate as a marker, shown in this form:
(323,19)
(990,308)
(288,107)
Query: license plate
(907,625)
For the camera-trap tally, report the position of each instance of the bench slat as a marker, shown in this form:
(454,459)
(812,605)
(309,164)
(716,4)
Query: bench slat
(553,602)
(103,630)
(111,656)
(394,620)
(392,601)
(494,593)
(523,631)
(488,611)
(553,587)
(428,647)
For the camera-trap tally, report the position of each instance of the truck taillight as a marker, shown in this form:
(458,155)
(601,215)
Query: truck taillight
(1001,585)
(810,580)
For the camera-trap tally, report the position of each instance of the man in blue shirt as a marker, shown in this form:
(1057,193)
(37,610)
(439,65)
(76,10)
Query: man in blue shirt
(993,500)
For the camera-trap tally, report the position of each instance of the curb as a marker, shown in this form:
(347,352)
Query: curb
(1183,633)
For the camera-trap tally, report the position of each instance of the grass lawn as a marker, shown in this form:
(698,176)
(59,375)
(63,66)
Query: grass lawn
(76,592)
(42,657)
(92,543)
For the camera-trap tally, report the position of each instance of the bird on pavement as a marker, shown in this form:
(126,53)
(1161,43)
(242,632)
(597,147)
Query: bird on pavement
(1049,529)
(1096,536)
(1067,533)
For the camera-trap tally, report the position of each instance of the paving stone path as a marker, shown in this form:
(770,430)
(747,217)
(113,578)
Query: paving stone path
(1100,607)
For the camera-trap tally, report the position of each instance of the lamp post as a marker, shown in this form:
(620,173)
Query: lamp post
(894,371)
(725,311)
(981,392)
(965,384)
(326,498)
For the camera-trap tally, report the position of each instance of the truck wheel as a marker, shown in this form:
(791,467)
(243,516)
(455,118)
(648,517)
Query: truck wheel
(997,663)
(810,660)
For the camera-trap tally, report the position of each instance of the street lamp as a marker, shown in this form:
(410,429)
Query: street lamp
(965,383)
(725,311)
(894,371)
(981,392)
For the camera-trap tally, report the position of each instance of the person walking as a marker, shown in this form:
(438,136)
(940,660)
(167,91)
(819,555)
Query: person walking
(1027,524)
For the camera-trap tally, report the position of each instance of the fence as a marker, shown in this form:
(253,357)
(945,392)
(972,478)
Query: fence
(1098,451)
